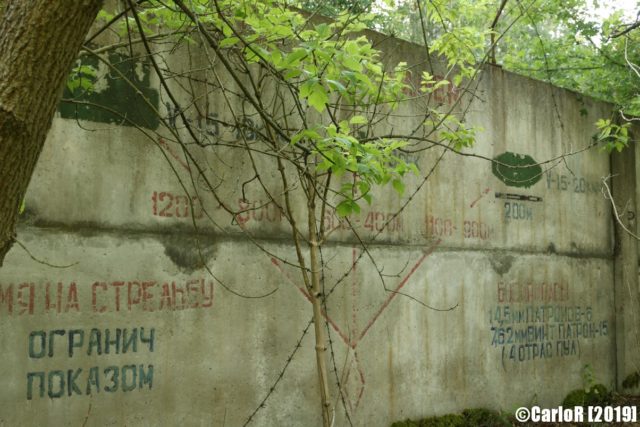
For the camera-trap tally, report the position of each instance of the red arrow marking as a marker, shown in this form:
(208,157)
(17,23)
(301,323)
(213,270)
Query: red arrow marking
(395,292)
(354,293)
(354,343)
(403,282)
(166,146)
(308,297)
(486,190)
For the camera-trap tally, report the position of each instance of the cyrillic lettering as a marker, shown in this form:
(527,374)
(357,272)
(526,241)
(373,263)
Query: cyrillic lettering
(30,377)
(93,380)
(108,342)
(72,376)
(146,378)
(95,342)
(149,340)
(131,341)
(51,381)
(114,378)
(7,297)
(32,347)
(72,341)
(52,334)
(134,373)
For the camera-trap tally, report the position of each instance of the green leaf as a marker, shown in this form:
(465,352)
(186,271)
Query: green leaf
(228,41)
(73,84)
(306,88)
(86,84)
(398,185)
(339,166)
(364,187)
(318,98)
(294,57)
(352,63)
(334,84)
(307,133)
(88,70)
(323,31)
(324,165)
(292,74)
(358,120)
(440,83)
(346,188)
(344,208)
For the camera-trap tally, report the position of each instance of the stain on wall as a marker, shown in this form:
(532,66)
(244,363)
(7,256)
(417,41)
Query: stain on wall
(112,89)
(516,170)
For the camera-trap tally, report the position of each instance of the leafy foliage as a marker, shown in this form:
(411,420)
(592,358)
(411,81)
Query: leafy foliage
(82,77)
(333,8)
(592,394)
(597,395)
(468,417)
(336,75)
(616,137)
(562,42)
(631,380)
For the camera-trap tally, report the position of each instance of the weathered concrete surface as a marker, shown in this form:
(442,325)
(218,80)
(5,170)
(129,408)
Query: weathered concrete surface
(147,195)
(519,325)
(627,293)
(525,276)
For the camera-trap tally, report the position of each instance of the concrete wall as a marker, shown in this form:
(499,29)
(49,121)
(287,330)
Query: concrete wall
(136,332)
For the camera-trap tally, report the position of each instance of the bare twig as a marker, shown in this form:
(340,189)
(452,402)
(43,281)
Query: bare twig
(608,196)
(33,257)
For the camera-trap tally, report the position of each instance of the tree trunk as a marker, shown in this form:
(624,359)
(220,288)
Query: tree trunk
(318,320)
(39,39)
